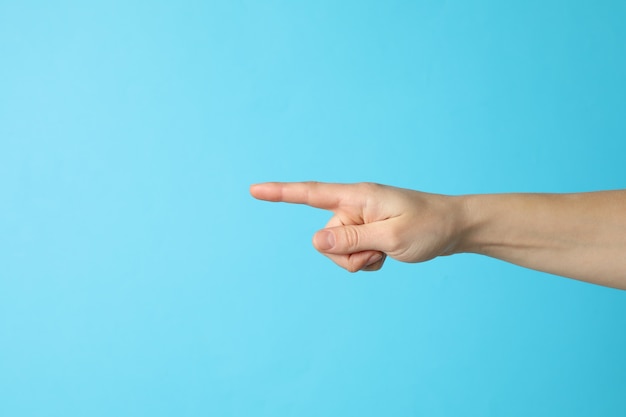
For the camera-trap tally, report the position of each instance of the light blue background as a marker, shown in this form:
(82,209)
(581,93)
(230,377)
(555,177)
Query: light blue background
(139,278)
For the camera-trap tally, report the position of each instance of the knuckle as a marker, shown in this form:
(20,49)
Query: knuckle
(369,187)
(351,237)
(345,261)
(352,267)
(311,186)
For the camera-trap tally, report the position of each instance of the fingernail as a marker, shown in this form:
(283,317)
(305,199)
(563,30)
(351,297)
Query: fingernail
(373,259)
(325,240)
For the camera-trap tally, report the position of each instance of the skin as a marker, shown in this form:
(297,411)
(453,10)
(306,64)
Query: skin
(580,236)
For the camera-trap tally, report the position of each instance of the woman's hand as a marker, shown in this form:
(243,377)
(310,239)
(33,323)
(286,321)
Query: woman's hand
(372,221)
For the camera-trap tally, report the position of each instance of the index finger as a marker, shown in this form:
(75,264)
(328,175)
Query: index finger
(315,194)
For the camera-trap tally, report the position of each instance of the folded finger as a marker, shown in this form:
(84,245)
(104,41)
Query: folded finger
(369,260)
(362,261)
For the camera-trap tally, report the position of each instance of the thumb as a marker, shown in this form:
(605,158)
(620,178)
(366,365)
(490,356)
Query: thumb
(343,240)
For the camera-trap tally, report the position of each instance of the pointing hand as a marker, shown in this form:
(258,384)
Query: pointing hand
(372,221)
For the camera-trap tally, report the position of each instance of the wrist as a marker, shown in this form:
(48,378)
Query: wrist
(471,223)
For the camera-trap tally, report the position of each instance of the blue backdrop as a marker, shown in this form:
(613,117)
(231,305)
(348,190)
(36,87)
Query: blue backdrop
(139,278)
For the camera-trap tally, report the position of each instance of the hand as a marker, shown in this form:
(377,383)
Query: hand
(372,221)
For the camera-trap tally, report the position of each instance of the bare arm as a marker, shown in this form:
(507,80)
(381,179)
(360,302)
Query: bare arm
(581,236)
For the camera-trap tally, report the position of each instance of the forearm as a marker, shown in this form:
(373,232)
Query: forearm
(581,236)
